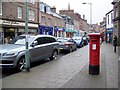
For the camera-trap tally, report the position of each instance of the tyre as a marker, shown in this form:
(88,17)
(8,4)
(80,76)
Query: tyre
(54,55)
(21,64)
(70,50)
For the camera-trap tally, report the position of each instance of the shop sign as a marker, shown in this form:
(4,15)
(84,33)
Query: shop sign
(14,23)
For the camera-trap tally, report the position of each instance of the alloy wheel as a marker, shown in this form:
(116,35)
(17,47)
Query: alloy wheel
(21,64)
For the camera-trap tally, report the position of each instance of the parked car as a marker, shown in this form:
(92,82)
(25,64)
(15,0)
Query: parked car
(40,47)
(67,44)
(79,41)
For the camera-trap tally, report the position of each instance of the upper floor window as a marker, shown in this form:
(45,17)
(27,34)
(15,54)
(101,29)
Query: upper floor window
(49,22)
(43,20)
(108,19)
(32,15)
(111,17)
(116,12)
(0,7)
(32,1)
(41,7)
(48,9)
(19,12)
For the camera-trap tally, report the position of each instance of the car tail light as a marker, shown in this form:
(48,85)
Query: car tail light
(66,44)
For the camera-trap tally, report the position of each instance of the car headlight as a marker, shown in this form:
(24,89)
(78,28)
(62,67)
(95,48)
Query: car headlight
(11,54)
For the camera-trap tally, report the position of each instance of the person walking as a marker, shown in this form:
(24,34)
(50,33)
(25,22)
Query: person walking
(115,43)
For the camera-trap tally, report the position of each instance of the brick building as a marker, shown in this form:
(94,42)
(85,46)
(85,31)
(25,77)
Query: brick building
(50,22)
(103,29)
(79,23)
(13,18)
(116,9)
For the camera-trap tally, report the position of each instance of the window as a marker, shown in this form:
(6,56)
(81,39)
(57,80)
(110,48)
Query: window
(0,7)
(32,15)
(49,22)
(19,12)
(108,19)
(48,9)
(41,7)
(43,20)
(32,1)
(111,17)
(40,41)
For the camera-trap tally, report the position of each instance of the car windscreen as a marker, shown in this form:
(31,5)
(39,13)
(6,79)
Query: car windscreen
(77,39)
(21,40)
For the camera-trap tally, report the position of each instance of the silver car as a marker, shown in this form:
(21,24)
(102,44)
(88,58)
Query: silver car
(67,45)
(40,47)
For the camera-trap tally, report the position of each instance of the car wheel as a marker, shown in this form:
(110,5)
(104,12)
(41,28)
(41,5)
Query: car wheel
(21,64)
(70,50)
(75,48)
(54,55)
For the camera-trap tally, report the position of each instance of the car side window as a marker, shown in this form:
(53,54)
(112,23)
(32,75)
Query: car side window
(46,40)
(39,40)
(52,40)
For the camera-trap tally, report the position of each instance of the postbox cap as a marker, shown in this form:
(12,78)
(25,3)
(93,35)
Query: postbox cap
(94,34)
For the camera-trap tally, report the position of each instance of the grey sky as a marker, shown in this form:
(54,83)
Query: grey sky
(99,7)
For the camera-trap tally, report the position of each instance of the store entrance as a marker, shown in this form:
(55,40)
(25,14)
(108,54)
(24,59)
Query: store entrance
(9,34)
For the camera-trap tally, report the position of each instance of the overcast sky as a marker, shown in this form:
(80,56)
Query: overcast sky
(99,7)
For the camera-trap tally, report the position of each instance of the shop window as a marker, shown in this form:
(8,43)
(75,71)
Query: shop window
(19,12)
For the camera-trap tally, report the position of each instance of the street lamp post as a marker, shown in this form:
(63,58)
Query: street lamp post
(27,67)
(90,14)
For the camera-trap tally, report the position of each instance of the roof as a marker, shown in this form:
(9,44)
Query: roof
(56,15)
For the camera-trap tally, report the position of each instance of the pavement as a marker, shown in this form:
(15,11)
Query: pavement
(69,71)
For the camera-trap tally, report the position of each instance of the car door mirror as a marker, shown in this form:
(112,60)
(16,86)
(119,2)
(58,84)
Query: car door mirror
(34,43)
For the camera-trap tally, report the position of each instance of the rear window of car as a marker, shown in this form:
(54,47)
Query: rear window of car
(62,40)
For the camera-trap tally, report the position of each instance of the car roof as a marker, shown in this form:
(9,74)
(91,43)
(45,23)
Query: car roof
(39,35)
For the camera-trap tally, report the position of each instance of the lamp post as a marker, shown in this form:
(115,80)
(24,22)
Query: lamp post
(90,14)
(27,60)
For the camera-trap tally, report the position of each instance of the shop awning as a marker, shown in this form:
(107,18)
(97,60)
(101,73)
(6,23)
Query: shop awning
(70,30)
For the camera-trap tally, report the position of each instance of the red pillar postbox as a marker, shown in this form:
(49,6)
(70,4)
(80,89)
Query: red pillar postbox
(94,53)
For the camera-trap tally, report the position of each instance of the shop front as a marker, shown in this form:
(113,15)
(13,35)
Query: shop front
(12,29)
(109,35)
(70,33)
(46,30)
(59,32)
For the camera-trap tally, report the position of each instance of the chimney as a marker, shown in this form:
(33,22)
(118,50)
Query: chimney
(84,17)
(53,9)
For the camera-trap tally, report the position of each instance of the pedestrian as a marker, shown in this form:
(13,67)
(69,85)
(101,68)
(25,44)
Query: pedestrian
(5,40)
(115,43)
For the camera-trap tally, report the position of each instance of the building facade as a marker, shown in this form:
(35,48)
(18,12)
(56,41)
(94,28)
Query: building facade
(79,23)
(109,26)
(13,18)
(103,29)
(49,21)
(116,21)
(116,8)
(69,26)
